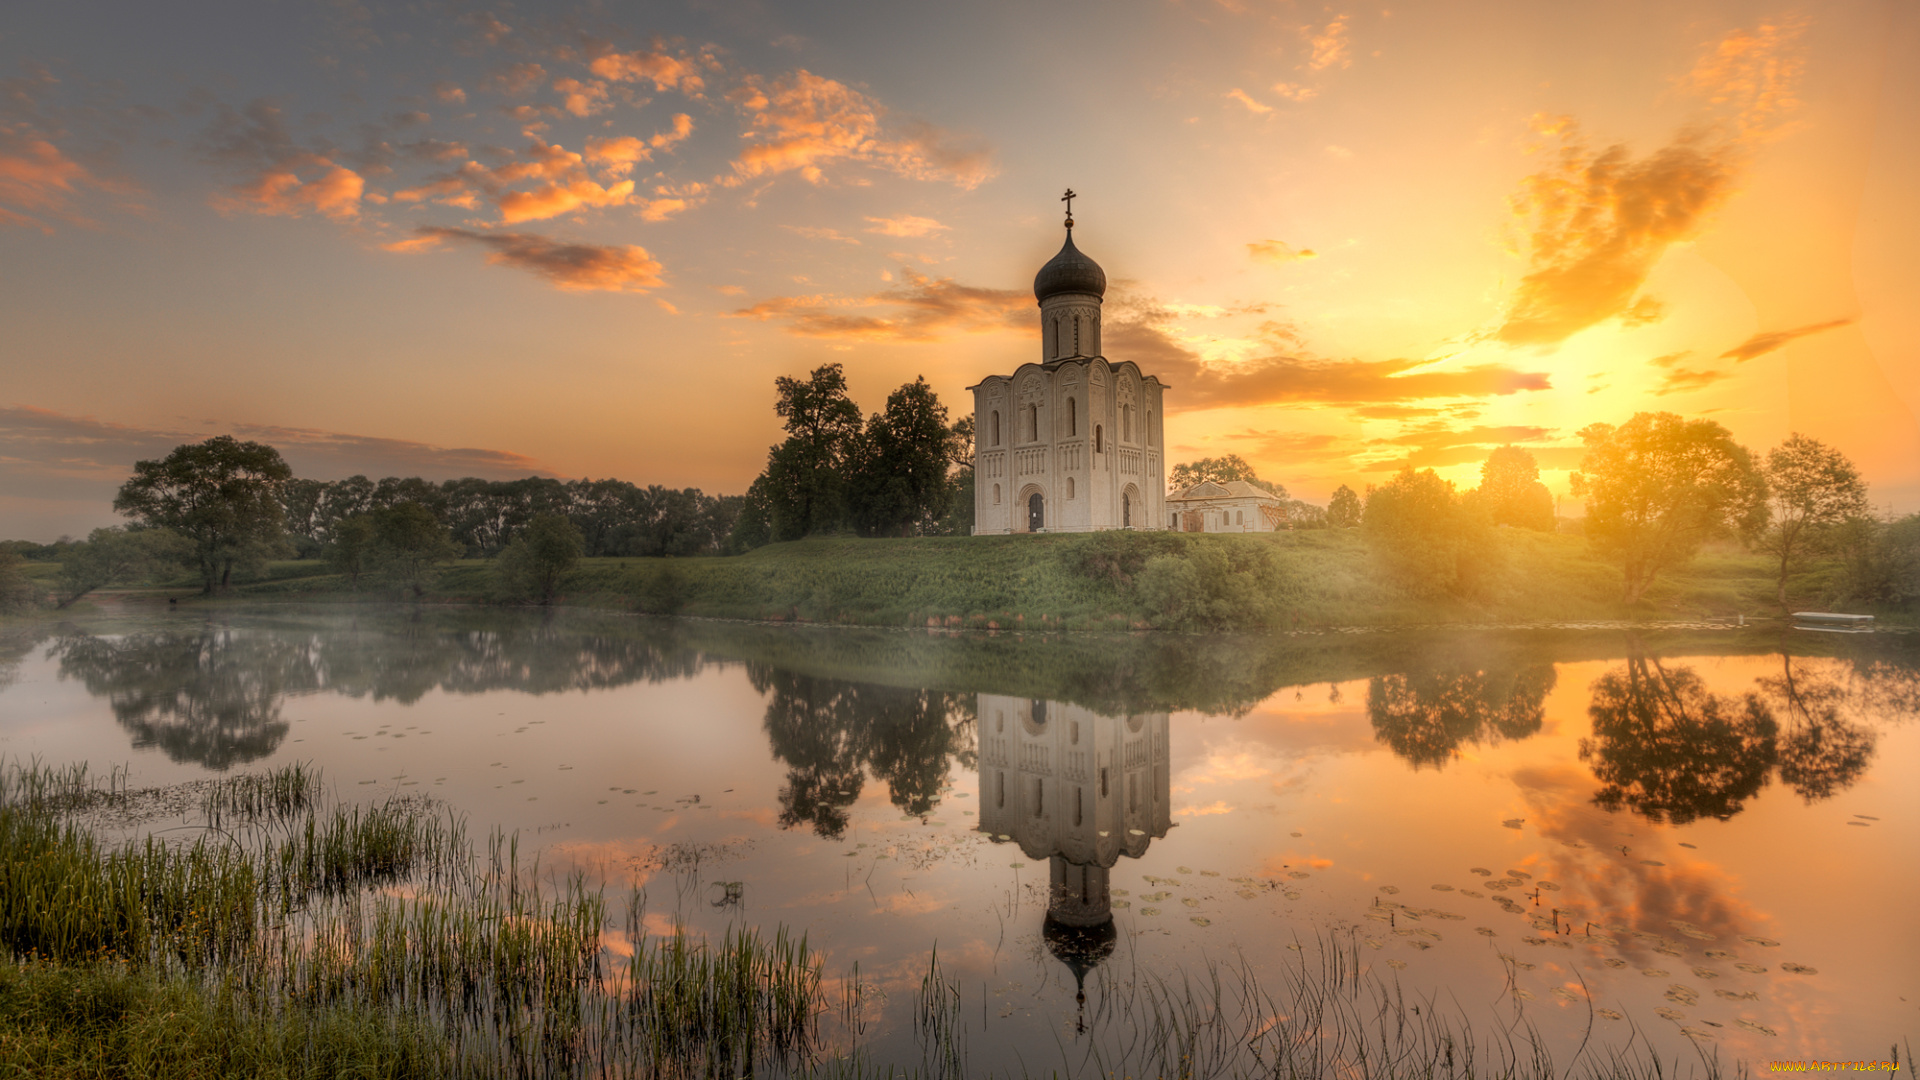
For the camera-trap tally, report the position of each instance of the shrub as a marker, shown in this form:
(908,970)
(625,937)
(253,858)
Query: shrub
(1218,584)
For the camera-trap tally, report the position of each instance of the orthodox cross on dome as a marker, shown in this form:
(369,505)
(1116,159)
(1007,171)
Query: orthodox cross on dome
(1068,199)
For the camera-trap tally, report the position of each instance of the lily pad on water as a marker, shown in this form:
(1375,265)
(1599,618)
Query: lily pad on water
(1396,963)
(1298,874)
(1719,954)
(1685,995)
(1653,973)
(1149,911)
(1610,1014)
(1756,1027)
(1866,817)
(1484,931)
(1732,995)
(1705,973)
(1441,888)
(1373,944)
(1120,892)
(1751,968)
(1298,835)
(1477,895)
(1121,905)
(1651,862)
(1209,873)
(1199,920)
(1245,894)
(1800,969)
(1191,902)
(1614,962)
(1763,942)
(1698,1033)
(1684,844)
(1184,869)
(1291,894)
(1669,1014)
(1523,993)
(1483,872)
(1389,889)
(1513,823)
(1862,824)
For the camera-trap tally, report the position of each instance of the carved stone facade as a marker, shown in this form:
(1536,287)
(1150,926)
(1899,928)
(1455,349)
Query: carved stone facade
(1074,442)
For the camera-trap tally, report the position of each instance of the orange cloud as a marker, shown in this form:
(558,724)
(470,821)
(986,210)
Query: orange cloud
(573,267)
(926,309)
(1295,92)
(812,232)
(1754,75)
(804,122)
(552,200)
(1330,46)
(1598,221)
(905,225)
(619,155)
(450,93)
(38,181)
(1762,344)
(663,71)
(582,98)
(1246,99)
(328,188)
(1274,251)
(1680,380)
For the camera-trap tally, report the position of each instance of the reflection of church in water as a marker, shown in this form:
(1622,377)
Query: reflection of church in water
(1079,790)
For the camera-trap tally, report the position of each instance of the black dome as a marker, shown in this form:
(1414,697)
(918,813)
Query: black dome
(1069,272)
(1081,948)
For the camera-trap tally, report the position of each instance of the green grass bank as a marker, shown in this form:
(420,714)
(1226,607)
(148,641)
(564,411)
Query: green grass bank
(1113,581)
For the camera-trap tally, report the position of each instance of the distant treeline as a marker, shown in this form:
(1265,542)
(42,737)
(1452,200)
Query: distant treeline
(615,517)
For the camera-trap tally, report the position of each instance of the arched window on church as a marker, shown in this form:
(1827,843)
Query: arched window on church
(1069,487)
(1098,445)
(1056,337)
(1076,335)
(1073,417)
(996,427)
(1149,439)
(1239,517)
(1033,423)
(996,494)
(1126,422)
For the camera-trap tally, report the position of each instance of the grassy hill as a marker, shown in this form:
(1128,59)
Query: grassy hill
(1108,581)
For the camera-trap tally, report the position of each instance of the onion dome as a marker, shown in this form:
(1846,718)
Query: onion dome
(1069,272)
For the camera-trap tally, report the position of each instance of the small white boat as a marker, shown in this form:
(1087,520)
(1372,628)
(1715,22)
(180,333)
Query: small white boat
(1832,622)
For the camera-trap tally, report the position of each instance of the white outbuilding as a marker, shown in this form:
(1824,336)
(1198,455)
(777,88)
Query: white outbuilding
(1233,506)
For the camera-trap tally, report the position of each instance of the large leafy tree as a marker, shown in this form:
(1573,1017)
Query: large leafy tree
(1658,486)
(897,476)
(409,546)
(1811,490)
(116,556)
(1343,510)
(1510,491)
(805,474)
(532,566)
(1429,541)
(222,494)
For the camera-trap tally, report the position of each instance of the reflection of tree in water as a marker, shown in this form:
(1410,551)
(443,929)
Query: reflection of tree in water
(212,695)
(209,697)
(1667,747)
(1424,716)
(1823,752)
(830,732)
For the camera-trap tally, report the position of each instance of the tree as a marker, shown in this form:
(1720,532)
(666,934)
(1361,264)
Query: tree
(409,546)
(1343,510)
(116,556)
(17,590)
(1882,560)
(350,549)
(545,550)
(1658,485)
(222,494)
(1510,491)
(1666,746)
(1219,470)
(1428,540)
(1811,490)
(805,473)
(897,470)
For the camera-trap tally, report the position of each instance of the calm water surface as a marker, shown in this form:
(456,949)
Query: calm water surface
(1714,836)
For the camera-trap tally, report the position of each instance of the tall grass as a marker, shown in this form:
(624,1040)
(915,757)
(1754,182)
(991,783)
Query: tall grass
(350,941)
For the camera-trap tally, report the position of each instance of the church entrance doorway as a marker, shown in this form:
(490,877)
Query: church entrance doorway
(1036,512)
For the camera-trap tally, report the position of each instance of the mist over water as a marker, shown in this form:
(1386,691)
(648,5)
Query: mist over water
(1707,834)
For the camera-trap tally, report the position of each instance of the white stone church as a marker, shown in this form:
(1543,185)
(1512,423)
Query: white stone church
(1074,442)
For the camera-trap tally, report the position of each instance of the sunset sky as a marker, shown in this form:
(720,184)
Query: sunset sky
(452,239)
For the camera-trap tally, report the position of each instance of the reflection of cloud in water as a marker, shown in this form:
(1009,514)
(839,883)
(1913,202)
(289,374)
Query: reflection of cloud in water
(1610,889)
